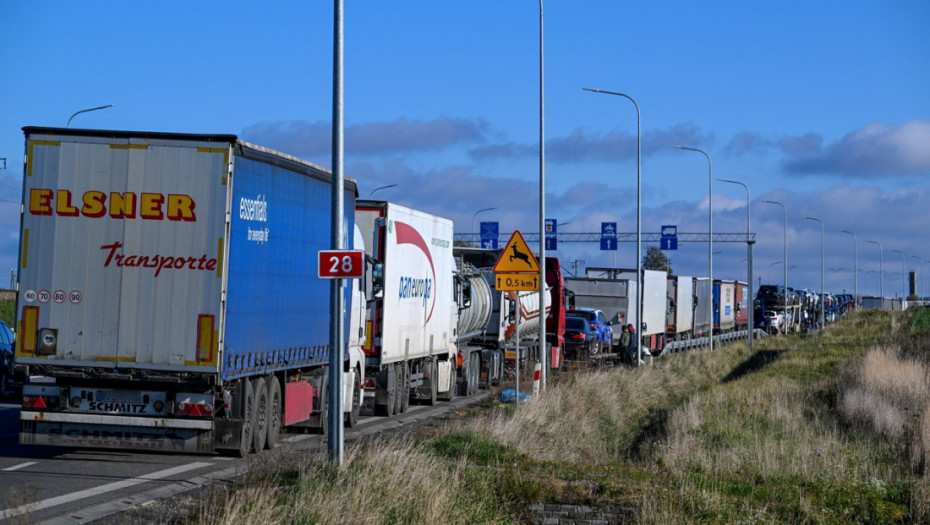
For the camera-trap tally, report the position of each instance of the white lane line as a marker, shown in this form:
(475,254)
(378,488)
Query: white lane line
(96,491)
(21,465)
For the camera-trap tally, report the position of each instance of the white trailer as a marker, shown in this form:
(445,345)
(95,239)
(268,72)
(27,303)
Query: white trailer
(680,307)
(703,307)
(413,314)
(615,297)
(652,326)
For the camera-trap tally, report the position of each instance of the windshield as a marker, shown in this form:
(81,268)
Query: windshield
(574,323)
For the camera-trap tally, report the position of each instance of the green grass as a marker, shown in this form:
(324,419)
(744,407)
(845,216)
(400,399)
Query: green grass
(7,311)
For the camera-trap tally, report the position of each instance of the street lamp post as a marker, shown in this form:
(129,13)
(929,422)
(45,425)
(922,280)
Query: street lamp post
(710,238)
(823,291)
(749,243)
(785,213)
(475,217)
(76,113)
(855,267)
(903,276)
(881,271)
(381,188)
(639,232)
(544,354)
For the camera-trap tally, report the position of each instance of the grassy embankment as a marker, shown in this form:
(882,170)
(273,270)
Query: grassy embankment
(6,311)
(825,428)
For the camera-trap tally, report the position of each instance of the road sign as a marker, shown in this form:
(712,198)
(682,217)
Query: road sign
(341,264)
(516,257)
(489,234)
(552,230)
(669,239)
(668,243)
(515,282)
(609,236)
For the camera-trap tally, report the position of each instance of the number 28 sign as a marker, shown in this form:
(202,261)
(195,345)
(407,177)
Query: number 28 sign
(342,264)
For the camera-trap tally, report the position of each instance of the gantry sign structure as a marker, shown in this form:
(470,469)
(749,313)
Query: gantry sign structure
(622,237)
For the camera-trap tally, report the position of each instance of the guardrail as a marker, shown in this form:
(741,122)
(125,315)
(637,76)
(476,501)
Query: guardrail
(691,344)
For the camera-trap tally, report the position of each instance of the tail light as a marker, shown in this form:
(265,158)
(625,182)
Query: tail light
(579,336)
(201,409)
(37,402)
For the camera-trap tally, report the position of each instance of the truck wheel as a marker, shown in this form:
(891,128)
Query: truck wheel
(247,404)
(260,418)
(352,416)
(274,412)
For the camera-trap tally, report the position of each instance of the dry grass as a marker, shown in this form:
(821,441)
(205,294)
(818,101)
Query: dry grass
(390,482)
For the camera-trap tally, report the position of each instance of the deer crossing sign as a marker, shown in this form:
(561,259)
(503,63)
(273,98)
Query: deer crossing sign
(516,262)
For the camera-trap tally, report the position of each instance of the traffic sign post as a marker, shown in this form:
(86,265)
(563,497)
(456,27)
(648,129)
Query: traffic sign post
(515,282)
(608,236)
(669,239)
(552,230)
(341,264)
(489,233)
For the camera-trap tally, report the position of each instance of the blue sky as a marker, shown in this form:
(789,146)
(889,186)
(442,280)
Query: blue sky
(823,106)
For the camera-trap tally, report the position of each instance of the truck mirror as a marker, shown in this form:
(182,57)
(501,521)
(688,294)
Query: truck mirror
(466,294)
(377,280)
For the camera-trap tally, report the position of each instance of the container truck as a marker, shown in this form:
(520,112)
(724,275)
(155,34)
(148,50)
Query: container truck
(615,297)
(703,306)
(742,305)
(168,290)
(680,310)
(724,306)
(652,327)
(412,317)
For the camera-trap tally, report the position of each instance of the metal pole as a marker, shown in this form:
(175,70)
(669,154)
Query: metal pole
(334,441)
(903,276)
(785,213)
(749,243)
(881,270)
(76,113)
(542,212)
(710,239)
(639,219)
(855,267)
(823,291)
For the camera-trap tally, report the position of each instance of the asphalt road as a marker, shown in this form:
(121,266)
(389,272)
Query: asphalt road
(53,485)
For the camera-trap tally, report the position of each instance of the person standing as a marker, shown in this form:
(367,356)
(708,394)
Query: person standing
(631,348)
(625,345)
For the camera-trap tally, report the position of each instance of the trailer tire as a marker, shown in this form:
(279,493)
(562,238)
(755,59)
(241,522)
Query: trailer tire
(260,418)
(247,404)
(355,411)
(275,413)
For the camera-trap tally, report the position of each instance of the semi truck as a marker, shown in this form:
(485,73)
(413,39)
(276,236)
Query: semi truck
(652,327)
(411,350)
(168,293)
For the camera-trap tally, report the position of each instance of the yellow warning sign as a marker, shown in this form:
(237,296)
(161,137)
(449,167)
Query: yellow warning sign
(516,257)
(516,282)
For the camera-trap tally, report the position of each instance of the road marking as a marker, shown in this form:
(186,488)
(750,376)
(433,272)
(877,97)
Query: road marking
(96,491)
(21,465)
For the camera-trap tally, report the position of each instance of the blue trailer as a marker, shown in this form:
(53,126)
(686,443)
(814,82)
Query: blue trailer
(168,287)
